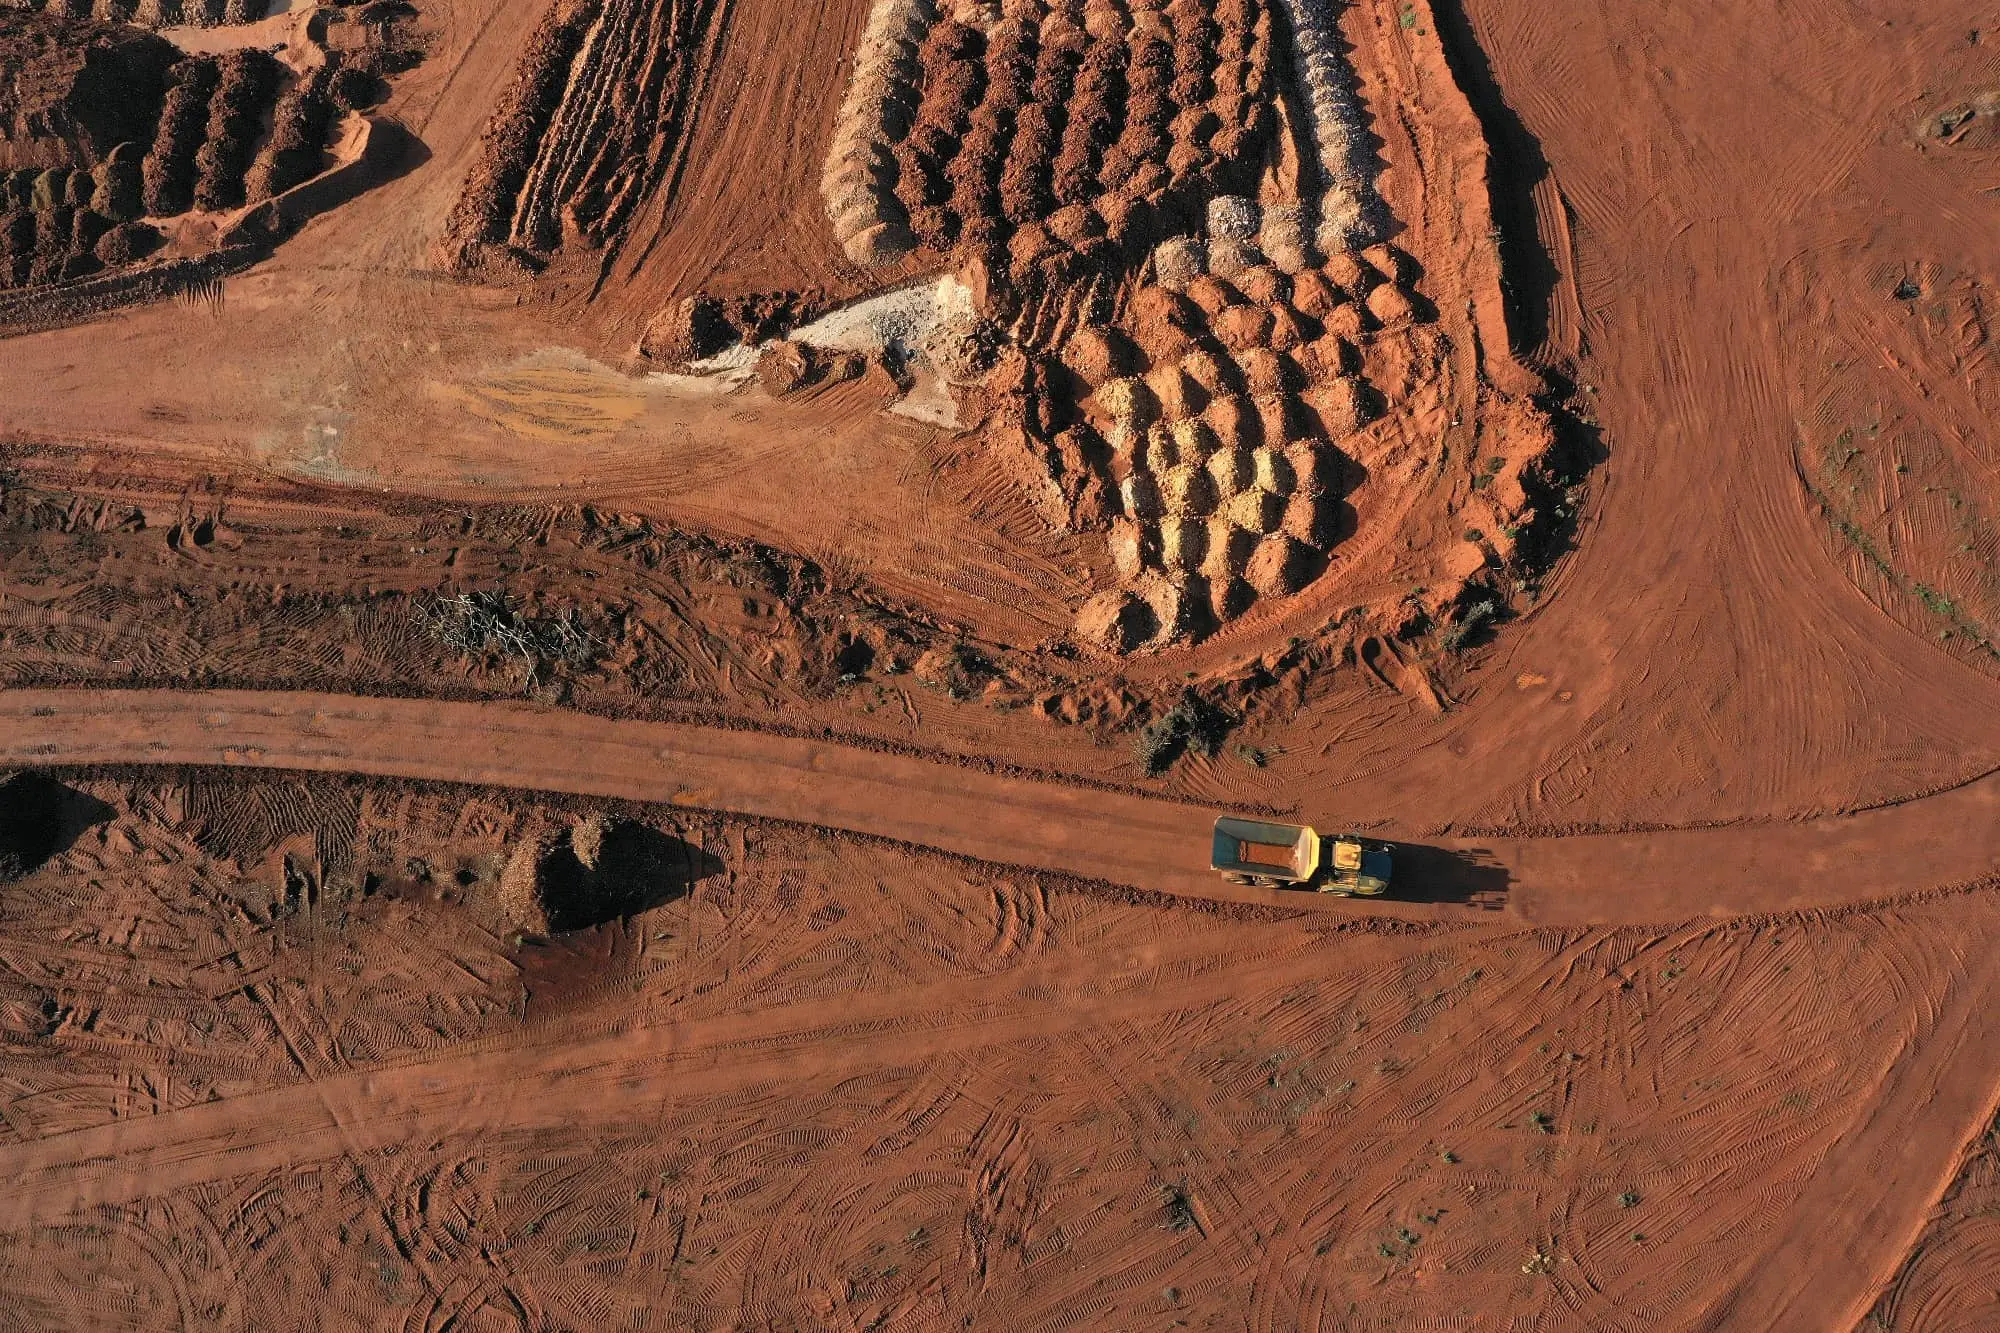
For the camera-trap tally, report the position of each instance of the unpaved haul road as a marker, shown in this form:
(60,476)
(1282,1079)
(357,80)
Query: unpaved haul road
(1950,838)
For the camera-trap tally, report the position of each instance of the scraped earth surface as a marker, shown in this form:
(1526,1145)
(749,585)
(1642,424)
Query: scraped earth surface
(529,798)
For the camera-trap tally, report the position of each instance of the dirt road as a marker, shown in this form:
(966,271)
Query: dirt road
(1152,844)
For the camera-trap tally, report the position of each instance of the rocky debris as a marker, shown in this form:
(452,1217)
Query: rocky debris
(1116,621)
(596,870)
(692,328)
(961,348)
(784,366)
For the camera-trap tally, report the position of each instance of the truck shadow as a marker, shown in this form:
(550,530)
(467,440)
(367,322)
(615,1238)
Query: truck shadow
(1426,874)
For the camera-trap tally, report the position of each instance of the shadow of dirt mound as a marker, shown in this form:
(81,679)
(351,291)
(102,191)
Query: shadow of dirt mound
(1517,167)
(41,818)
(597,871)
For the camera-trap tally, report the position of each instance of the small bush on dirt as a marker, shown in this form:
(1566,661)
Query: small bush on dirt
(1180,1209)
(489,624)
(1194,725)
(1478,617)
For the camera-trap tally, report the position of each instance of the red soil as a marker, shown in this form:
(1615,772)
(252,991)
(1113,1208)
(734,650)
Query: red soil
(1698,1032)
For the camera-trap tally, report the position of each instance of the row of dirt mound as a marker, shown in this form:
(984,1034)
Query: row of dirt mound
(71,91)
(1201,429)
(1346,210)
(108,134)
(150,13)
(64,242)
(1185,359)
(587,130)
(1054,142)
(207,132)
(222,131)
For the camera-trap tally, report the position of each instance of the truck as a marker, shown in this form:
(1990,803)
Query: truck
(1267,855)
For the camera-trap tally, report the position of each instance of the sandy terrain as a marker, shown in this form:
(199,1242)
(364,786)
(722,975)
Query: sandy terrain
(1616,446)
(799,1097)
(1946,839)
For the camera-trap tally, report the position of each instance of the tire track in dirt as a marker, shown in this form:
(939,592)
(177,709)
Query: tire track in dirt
(1939,1087)
(1679,239)
(1152,844)
(566,1073)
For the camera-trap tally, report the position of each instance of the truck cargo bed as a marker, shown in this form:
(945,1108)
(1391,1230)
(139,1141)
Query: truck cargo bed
(1274,851)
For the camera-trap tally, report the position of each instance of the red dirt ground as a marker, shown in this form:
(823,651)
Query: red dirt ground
(1684,1018)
